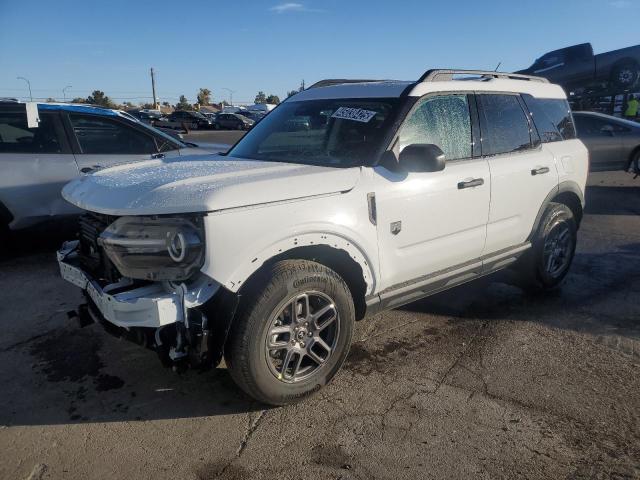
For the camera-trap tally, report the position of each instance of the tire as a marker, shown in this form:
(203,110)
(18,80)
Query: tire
(216,126)
(626,74)
(634,163)
(240,127)
(556,237)
(260,371)
(5,240)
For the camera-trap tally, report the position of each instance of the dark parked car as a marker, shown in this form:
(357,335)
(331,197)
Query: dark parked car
(233,121)
(613,143)
(193,120)
(577,66)
(146,117)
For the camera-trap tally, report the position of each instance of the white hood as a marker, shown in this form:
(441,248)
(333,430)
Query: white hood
(201,184)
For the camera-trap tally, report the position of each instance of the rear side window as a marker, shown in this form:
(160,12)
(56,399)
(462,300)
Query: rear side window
(505,127)
(552,117)
(16,137)
(98,135)
(442,120)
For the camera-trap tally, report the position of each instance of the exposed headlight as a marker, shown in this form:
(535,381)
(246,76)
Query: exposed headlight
(155,248)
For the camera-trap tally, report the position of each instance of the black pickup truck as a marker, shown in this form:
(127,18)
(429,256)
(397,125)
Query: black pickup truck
(576,67)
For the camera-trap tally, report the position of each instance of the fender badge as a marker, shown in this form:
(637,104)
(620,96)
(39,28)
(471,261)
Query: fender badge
(396,227)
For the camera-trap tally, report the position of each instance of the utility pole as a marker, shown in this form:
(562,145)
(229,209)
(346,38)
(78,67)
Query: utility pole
(153,87)
(231,92)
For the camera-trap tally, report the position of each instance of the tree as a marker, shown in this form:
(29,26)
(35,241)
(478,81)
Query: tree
(166,104)
(204,96)
(79,100)
(51,100)
(129,105)
(148,106)
(183,104)
(273,99)
(98,97)
(260,97)
(292,93)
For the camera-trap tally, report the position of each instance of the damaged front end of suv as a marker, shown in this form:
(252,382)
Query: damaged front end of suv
(141,279)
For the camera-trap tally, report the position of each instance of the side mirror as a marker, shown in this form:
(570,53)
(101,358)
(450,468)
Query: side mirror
(422,157)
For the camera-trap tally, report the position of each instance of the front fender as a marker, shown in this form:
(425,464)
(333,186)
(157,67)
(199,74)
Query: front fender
(239,242)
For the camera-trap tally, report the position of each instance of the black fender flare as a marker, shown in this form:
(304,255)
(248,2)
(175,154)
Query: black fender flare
(566,187)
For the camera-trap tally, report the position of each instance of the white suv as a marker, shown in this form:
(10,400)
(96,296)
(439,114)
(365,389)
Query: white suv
(347,199)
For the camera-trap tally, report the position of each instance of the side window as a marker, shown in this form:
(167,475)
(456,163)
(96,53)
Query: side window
(16,137)
(99,135)
(442,120)
(552,117)
(505,128)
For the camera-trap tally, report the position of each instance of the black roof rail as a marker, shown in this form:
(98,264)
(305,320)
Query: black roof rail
(338,81)
(444,75)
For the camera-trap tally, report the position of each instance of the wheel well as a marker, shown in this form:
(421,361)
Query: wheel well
(5,215)
(624,61)
(337,260)
(572,201)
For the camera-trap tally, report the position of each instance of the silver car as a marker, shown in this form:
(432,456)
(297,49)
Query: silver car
(613,143)
(68,141)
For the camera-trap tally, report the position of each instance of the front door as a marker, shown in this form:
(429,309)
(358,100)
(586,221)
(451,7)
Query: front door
(431,222)
(603,140)
(102,142)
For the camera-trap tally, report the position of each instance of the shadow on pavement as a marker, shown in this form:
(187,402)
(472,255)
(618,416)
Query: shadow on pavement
(612,200)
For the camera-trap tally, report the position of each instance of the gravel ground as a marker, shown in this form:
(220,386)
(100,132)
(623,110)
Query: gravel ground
(480,382)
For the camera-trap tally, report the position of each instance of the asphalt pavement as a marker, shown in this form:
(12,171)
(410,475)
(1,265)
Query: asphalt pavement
(481,382)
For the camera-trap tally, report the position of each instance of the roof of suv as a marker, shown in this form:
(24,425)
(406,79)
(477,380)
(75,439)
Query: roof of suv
(393,88)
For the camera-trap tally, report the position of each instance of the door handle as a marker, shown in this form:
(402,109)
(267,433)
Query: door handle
(476,182)
(89,169)
(540,171)
(156,156)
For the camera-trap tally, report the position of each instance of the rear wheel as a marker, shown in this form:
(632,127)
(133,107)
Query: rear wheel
(5,240)
(626,74)
(293,332)
(553,248)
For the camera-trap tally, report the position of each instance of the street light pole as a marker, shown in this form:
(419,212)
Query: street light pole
(231,92)
(64,92)
(29,84)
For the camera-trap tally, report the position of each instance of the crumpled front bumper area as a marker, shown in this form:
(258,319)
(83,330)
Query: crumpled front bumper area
(128,305)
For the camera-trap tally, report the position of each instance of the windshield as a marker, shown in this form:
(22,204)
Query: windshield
(334,132)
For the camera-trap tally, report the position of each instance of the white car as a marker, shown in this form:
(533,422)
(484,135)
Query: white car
(37,159)
(269,254)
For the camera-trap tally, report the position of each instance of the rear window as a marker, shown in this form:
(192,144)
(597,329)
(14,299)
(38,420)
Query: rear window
(552,117)
(16,137)
(504,125)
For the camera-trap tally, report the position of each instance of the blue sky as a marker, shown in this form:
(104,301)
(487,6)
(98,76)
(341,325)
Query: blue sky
(266,45)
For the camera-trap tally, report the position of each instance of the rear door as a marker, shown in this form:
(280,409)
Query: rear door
(603,140)
(522,172)
(35,164)
(101,141)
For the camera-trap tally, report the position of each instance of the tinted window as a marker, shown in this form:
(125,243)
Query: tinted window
(15,137)
(505,127)
(443,121)
(100,135)
(593,126)
(552,118)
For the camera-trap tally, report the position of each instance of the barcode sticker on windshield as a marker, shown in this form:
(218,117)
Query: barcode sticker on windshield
(355,114)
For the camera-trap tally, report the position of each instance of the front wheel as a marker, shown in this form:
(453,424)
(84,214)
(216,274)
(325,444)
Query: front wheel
(553,247)
(634,164)
(293,332)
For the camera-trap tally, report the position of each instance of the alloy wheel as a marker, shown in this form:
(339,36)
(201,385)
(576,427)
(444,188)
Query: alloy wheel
(301,337)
